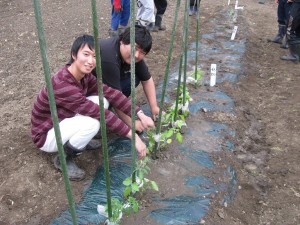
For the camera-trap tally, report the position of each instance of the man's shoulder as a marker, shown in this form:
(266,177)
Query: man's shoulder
(109,43)
(109,49)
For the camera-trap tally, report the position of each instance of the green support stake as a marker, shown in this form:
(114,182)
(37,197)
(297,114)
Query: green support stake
(178,89)
(186,22)
(102,110)
(180,69)
(42,44)
(158,128)
(132,69)
(197,39)
(101,104)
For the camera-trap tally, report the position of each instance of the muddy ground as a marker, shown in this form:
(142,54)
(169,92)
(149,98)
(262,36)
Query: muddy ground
(266,155)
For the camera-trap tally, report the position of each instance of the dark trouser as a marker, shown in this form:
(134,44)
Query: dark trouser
(126,85)
(294,21)
(194,2)
(283,12)
(161,6)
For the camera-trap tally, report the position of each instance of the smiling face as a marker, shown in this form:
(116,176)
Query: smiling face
(125,53)
(83,63)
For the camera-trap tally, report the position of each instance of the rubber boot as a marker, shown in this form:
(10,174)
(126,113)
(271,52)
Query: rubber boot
(94,144)
(294,47)
(113,33)
(121,30)
(152,28)
(279,36)
(284,44)
(74,172)
(158,21)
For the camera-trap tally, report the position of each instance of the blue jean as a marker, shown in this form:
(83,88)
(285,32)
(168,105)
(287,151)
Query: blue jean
(283,12)
(126,85)
(120,18)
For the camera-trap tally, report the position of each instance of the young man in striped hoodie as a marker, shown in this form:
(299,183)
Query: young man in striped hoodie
(76,97)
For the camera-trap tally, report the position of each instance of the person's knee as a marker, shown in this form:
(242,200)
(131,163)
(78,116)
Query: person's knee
(90,127)
(94,125)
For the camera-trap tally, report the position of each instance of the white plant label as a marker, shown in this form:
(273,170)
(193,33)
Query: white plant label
(228,2)
(234,32)
(236,4)
(213,74)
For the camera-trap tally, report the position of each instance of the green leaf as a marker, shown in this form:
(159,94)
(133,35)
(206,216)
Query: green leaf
(168,133)
(127,210)
(141,175)
(127,181)
(154,185)
(135,207)
(179,138)
(127,191)
(135,187)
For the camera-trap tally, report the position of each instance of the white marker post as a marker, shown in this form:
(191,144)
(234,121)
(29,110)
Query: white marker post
(213,74)
(236,4)
(228,2)
(234,33)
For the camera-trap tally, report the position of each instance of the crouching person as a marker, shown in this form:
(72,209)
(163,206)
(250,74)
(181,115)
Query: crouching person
(77,102)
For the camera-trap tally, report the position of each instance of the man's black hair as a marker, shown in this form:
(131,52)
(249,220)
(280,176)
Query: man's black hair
(79,43)
(143,38)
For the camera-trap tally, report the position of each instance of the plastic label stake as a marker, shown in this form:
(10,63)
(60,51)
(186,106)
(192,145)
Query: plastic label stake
(234,32)
(213,74)
(236,5)
(228,2)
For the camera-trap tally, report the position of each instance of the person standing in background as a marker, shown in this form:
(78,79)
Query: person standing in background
(145,13)
(283,12)
(120,14)
(161,6)
(293,34)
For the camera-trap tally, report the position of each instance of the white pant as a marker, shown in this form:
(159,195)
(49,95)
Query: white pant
(78,130)
(145,12)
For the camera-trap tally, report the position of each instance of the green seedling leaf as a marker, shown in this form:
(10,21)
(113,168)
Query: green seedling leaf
(135,187)
(127,191)
(179,137)
(168,133)
(141,175)
(135,207)
(127,181)
(154,185)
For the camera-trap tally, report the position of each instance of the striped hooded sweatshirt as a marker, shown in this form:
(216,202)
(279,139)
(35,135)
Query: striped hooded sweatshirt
(70,98)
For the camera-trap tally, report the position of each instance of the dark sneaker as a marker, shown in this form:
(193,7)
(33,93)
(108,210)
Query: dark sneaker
(161,28)
(290,57)
(152,28)
(94,144)
(74,172)
(113,33)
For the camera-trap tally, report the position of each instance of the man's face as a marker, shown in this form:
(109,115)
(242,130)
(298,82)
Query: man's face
(125,53)
(85,60)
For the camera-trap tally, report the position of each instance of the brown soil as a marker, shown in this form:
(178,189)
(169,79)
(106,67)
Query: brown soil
(266,119)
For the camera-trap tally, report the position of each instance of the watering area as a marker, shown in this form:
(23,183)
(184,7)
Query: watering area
(188,177)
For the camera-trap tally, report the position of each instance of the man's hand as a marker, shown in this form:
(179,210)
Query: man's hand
(139,145)
(145,120)
(139,126)
(155,112)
